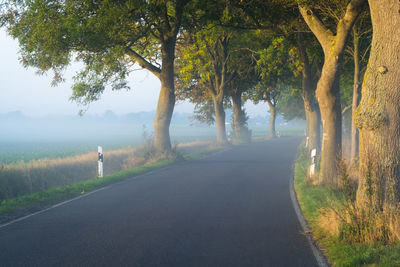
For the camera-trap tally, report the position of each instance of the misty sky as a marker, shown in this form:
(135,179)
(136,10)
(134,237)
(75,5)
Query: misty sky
(21,89)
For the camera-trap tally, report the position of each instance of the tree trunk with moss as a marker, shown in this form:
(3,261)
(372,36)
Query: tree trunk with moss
(378,114)
(356,95)
(272,118)
(310,105)
(328,91)
(166,100)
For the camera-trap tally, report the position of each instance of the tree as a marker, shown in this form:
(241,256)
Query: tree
(239,121)
(378,116)
(309,79)
(291,105)
(271,96)
(277,65)
(206,69)
(346,98)
(108,37)
(204,112)
(328,91)
(246,77)
(361,34)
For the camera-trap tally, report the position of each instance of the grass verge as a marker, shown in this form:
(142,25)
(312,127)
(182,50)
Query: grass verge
(47,198)
(314,202)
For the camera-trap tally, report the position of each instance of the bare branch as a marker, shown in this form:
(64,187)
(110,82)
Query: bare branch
(353,9)
(346,109)
(144,63)
(366,52)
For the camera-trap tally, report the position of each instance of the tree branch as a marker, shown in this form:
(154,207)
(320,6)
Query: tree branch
(346,109)
(211,87)
(180,5)
(353,9)
(270,104)
(322,33)
(144,63)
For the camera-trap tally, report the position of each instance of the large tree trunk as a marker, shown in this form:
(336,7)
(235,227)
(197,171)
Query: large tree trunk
(272,117)
(237,112)
(241,133)
(356,96)
(328,96)
(378,115)
(166,100)
(313,129)
(328,92)
(310,105)
(220,120)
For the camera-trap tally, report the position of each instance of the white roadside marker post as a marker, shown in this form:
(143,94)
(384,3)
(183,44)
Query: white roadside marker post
(312,167)
(100,170)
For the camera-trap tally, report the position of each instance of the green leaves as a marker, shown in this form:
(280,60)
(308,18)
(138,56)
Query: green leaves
(99,34)
(277,61)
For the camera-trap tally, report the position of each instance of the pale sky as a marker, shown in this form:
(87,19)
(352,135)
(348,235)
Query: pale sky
(21,89)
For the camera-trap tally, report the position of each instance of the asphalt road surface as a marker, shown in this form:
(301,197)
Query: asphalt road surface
(229,209)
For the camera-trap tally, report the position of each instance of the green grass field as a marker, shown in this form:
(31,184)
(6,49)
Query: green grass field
(24,152)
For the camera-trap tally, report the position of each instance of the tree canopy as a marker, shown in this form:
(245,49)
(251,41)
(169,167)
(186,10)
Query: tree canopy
(109,37)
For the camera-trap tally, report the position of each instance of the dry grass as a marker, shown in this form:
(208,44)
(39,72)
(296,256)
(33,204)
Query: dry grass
(37,175)
(194,144)
(329,221)
(365,226)
(349,236)
(394,225)
(344,218)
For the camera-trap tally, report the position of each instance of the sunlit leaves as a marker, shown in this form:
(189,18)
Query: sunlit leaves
(197,58)
(277,65)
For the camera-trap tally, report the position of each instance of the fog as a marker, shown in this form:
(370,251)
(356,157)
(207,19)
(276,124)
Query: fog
(18,127)
(24,138)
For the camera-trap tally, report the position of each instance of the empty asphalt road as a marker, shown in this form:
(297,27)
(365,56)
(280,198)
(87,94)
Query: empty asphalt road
(229,209)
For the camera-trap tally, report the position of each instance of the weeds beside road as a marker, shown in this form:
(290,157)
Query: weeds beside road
(325,210)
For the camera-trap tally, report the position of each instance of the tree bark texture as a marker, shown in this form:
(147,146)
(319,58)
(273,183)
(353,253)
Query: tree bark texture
(356,96)
(272,117)
(328,91)
(378,114)
(166,100)
(328,96)
(310,104)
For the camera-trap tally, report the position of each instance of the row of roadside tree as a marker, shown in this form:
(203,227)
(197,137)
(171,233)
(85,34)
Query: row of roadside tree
(303,58)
